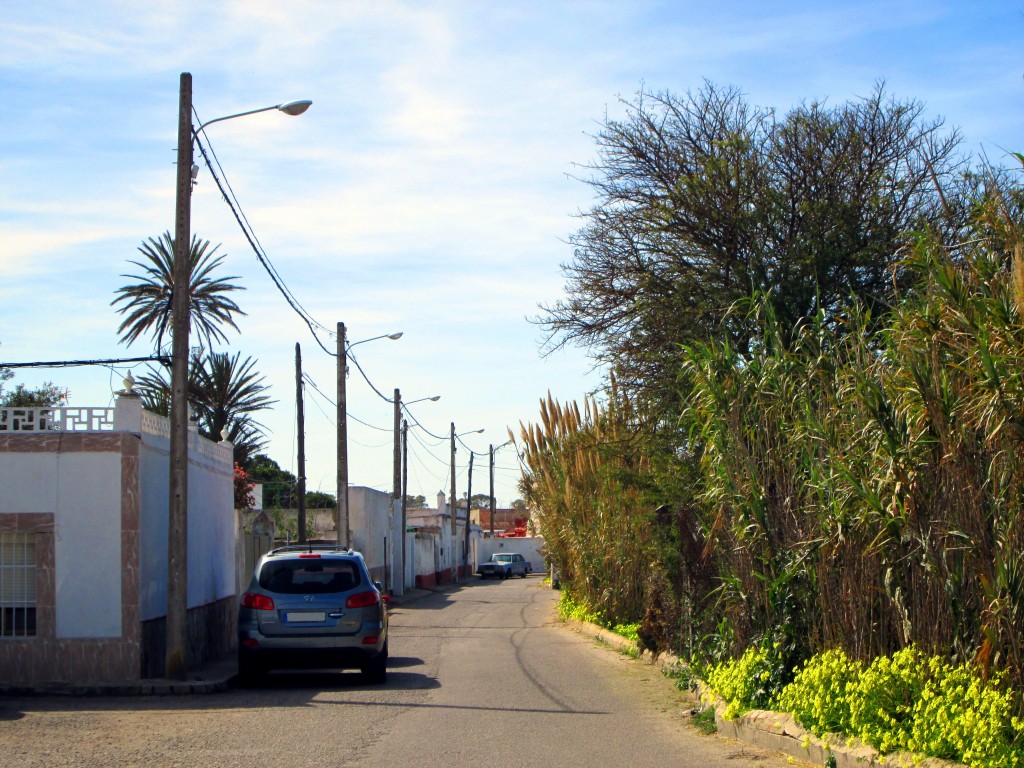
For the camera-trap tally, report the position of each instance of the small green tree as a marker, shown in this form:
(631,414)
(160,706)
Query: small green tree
(279,485)
(23,397)
(320,500)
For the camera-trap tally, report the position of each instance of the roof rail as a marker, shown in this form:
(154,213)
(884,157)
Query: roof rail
(310,548)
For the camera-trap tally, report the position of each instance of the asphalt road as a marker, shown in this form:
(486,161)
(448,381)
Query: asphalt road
(483,675)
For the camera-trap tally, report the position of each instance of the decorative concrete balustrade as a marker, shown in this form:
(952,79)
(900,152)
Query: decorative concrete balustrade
(62,418)
(127,415)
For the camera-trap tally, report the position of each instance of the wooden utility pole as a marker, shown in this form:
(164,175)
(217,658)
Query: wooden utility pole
(342,440)
(396,490)
(451,503)
(302,445)
(490,496)
(405,494)
(469,503)
(176,656)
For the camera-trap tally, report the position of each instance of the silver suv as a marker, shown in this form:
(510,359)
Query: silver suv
(313,607)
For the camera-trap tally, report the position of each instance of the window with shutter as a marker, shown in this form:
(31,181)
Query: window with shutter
(17,584)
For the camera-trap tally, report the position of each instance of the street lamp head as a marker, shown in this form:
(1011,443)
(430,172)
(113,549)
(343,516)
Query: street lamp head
(288,108)
(294,107)
(433,399)
(392,336)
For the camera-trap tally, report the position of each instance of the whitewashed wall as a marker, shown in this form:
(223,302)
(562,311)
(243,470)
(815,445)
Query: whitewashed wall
(83,492)
(368,520)
(212,533)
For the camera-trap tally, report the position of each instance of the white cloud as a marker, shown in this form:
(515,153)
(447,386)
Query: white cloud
(426,187)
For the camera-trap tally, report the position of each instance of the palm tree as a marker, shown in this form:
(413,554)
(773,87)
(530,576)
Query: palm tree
(147,303)
(228,392)
(223,391)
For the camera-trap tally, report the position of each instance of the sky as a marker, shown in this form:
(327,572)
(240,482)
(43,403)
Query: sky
(431,188)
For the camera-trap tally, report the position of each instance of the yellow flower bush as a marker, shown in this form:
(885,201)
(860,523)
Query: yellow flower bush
(907,701)
(741,682)
(819,696)
(962,717)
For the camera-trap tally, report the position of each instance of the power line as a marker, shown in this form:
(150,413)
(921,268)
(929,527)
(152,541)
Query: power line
(348,414)
(417,423)
(260,255)
(72,363)
(248,228)
(350,356)
(250,235)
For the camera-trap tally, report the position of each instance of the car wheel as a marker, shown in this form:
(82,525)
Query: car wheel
(523,574)
(376,671)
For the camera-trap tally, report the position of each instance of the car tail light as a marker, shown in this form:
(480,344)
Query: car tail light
(308,555)
(363,599)
(259,602)
(250,642)
(370,640)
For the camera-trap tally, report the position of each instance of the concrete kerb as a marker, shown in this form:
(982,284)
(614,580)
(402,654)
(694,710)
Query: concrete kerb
(214,676)
(775,730)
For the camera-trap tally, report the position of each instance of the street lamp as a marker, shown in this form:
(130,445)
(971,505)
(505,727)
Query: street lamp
(289,108)
(342,419)
(176,658)
(491,500)
(399,484)
(454,505)
(397,454)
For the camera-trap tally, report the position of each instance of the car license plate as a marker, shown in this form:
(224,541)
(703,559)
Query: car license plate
(298,616)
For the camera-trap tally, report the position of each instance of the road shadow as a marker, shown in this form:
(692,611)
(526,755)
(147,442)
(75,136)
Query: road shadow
(318,681)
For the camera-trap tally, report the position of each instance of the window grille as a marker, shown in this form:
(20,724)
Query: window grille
(17,584)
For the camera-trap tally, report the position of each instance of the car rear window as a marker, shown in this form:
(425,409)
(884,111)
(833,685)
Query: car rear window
(293,577)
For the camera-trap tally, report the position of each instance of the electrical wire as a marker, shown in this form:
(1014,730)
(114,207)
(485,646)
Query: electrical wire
(243,223)
(310,322)
(350,356)
(72,363)
(247,227)
(428,451)
(417,423)
(348,414)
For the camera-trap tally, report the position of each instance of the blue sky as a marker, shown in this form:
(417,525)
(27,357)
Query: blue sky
(430,188)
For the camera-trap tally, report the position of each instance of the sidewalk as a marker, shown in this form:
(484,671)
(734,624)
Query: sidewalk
(214,676)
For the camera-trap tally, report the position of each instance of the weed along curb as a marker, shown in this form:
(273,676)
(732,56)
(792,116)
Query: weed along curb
(775,730)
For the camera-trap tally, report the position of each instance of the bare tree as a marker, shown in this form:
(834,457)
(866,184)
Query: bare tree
(704,201)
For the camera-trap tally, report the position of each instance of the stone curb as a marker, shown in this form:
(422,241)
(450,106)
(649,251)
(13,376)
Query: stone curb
(148,687)
(215,676)
(776,730)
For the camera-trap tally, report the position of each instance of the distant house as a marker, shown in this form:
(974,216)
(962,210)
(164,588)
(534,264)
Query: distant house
(83,544)
(433,555)
(510,520)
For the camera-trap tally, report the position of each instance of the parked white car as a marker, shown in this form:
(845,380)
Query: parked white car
(502,565)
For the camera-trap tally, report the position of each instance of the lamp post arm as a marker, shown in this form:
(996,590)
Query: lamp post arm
(289,108)
(196,131)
